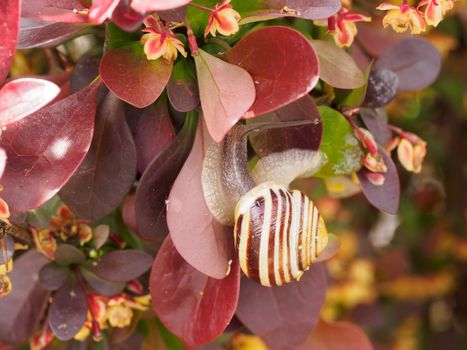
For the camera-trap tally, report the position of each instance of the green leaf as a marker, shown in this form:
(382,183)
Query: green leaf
(354,98)
(170,340)
(339,144)
(116,37)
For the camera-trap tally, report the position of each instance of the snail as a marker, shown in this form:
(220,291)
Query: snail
(278,233)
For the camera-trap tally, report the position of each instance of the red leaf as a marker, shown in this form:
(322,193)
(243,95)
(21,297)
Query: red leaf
(191,305)
(282,62)
(22,309)
(21,97)
(302,137)
(203,242)
(283,316)
(108,171)
(3,159)
(337,336)
(416,62)
(38,33)
(154,133)
(9,19)
(226,93)
(386,196)
(132,77)
(101,10)
(127,18)
(46,148)
(129,213)
(157,180)
(143,6)
(68,310)
(53,10)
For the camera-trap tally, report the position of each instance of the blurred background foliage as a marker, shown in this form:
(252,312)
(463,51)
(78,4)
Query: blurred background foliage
(402,278)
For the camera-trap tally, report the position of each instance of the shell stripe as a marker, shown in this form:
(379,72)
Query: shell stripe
(276,234)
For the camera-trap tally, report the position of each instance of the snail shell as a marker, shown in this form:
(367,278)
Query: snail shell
(278,234)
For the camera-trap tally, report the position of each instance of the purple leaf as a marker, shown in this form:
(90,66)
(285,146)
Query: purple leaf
(102,286)
(265,9)
(283,316)
(67,254)
(202,241)
(23,308)
(182,88)
(282,62)
(108,171)
(191,305)
(302,137)
(46,148)
(157,180)
(9,19)
(22,97)
(415,60)
(377,124)
(386,196)
(53,10)
(154,133)
(132,77)
(84,72)
(39,34)
(52,276)
(226,93)
(121,265)
(68,310)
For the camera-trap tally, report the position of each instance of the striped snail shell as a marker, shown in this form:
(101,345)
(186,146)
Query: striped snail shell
(278,234)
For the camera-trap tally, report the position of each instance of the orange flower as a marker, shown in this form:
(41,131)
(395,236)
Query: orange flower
(342,26)
(223,19)
(403,17)
(435,10)
(160,42)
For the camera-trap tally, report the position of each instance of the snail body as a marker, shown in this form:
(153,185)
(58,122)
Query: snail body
(278,233)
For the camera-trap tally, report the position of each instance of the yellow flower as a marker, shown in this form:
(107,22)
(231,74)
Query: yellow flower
(120,309)
(160,42)
(403,17)
(5,285)
(45,242)
(436,10)
(223,19)
(247,342)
